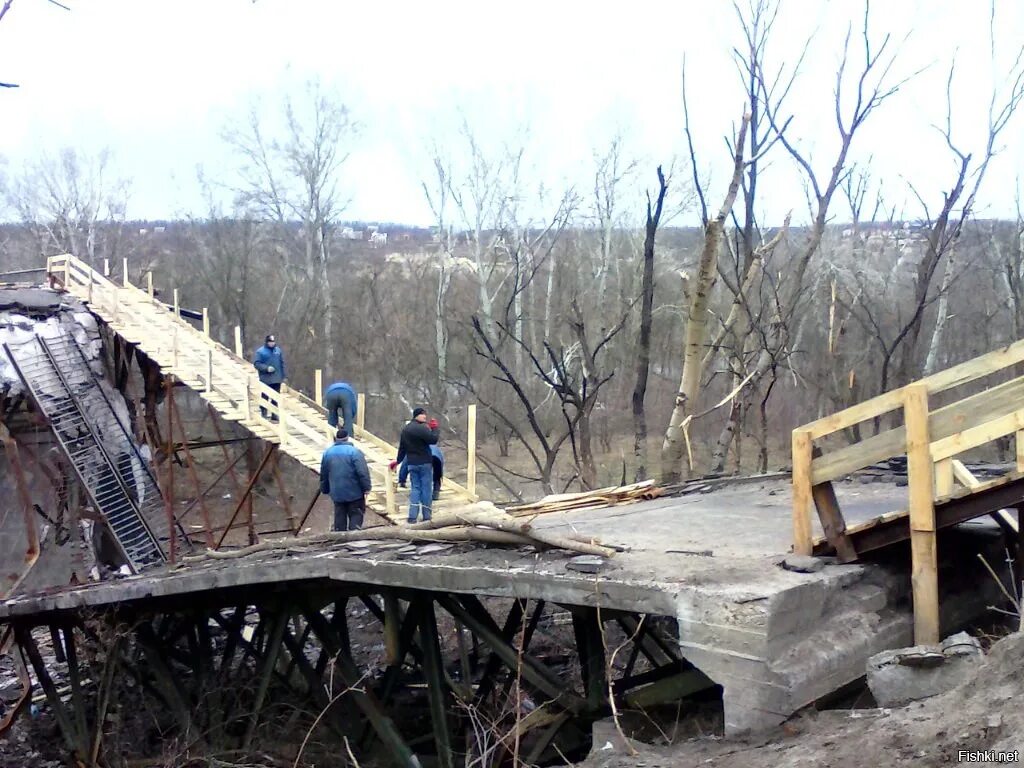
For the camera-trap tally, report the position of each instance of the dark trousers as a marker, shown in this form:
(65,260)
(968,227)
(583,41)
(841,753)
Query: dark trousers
(340,404)
(276,388)
(348,515)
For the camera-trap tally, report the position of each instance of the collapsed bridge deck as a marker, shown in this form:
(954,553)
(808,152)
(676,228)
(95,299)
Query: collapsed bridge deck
(775,640)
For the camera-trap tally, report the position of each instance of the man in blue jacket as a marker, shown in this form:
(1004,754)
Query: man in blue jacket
(269,361)
(340,398)
(435,452)
(346,478)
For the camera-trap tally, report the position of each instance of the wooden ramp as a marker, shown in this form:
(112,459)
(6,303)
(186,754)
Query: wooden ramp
(931,422)
(229,383)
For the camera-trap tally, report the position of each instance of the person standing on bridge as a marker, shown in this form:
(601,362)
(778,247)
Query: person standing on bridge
(345,477)
(269,361)
(340,400)
(435,451)
(414,448)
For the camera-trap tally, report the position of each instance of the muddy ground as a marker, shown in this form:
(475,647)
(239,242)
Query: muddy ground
(985,713)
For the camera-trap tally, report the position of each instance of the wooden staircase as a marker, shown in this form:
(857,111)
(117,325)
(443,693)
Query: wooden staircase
(229,382)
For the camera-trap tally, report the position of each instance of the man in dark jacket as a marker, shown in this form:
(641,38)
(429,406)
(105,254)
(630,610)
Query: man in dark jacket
(346,478)
(414,448)
(269,361)
(340,398)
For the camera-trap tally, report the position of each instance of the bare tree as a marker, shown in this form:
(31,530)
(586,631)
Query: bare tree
(643,351)
(294,182)
(73,202)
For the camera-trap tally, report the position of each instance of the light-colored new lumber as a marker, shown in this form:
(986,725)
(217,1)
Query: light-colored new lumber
(956,376)
(924,566)
(943,422)
(802,497)
(983,433)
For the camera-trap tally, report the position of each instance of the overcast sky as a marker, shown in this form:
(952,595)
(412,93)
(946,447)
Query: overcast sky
(158,82)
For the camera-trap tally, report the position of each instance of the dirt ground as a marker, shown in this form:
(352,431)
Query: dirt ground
(984,713)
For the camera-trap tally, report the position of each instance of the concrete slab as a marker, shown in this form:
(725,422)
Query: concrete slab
(776,640)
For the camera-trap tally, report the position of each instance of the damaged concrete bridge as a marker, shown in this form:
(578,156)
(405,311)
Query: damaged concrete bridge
(435,650)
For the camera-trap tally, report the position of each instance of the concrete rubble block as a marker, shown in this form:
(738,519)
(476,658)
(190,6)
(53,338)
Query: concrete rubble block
(900,676)
(802,564)
(586,564)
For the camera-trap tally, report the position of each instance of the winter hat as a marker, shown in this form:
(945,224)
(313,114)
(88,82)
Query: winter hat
(418,411)
(270,338)
(342,433)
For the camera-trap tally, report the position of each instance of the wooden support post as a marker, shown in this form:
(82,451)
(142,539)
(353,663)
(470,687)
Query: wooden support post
(1019,445)
(124,265)
(270,654)
(471,449)
(177,306)
(318,387)
(924,575)
(149,284)
(75,677)
(351,677)
(361,411)
(239,349)
(167,682)
(390,502)
(943,478)
(802,496)
(470,612)
(392,627)
(831,517)
(433,672)
(591,651)
(513,621)
(206,321)
(106,267)
(27,643)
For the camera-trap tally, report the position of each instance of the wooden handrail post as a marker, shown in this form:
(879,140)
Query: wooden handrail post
(361,411)
(149,284)
(924,559)
(124,266)
(177,306)
(239,350)
(471,449)
(943,477)
(390,505)
(206,321)
(106,267)
(318,387)
(802,497)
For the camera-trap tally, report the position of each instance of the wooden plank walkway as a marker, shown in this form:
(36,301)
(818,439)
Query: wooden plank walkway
(230,383)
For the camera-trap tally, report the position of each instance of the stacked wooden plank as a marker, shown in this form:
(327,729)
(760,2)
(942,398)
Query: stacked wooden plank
(602,497)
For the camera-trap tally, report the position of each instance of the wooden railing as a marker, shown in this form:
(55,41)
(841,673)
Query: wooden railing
(225,378)
(931,439)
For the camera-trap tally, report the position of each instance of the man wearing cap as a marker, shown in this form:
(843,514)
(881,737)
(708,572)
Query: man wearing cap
(345,477)
(414,448)
(269,361)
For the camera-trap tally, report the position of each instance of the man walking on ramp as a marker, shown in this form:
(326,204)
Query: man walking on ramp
(346,478)
(414,448)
